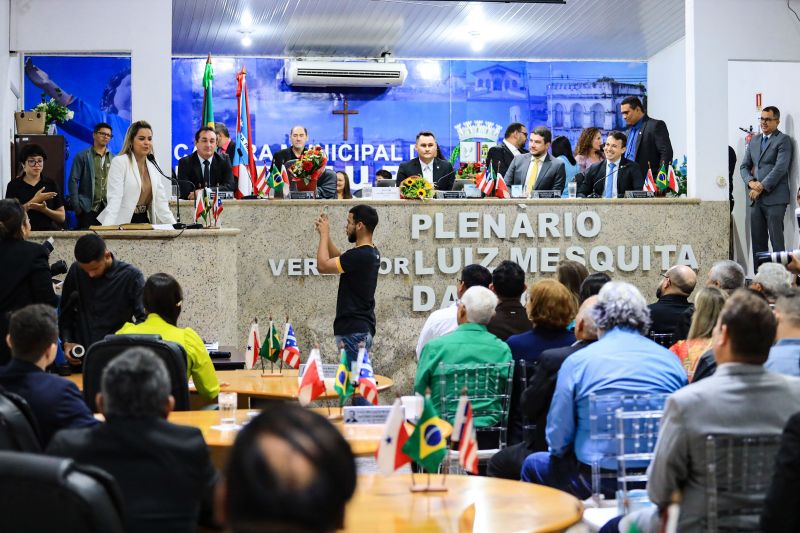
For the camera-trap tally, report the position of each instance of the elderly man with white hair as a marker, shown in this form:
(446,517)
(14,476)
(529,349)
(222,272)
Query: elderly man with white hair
(772,280)
(622,361)
(470,343)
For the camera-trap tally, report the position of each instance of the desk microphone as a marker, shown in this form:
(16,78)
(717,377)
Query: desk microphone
(603,181)
(172,179)
(436,183)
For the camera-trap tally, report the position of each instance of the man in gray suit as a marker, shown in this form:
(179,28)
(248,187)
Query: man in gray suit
(741,398)
(537,170)
(765,171)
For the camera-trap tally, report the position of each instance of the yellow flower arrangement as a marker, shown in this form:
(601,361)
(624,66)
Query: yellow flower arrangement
(416,188)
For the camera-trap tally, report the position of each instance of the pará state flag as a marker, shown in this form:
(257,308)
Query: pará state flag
(427,444)
(464,434)
(649,182)
(367,387)
(390,454)
(253,345)
(342,384)
(312,384)
(290,353)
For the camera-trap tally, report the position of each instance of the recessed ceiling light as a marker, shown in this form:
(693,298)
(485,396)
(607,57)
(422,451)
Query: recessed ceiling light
(246,41)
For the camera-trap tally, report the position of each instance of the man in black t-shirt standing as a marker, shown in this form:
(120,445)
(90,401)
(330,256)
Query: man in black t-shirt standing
(358,266)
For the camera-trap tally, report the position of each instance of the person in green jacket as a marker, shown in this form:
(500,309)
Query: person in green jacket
(470,344)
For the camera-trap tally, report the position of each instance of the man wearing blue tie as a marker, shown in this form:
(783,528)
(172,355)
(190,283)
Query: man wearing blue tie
(765,171)
(616,175)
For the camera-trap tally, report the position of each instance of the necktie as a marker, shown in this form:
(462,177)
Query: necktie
(533,175)
(764,140)
(609,181)
(206,173)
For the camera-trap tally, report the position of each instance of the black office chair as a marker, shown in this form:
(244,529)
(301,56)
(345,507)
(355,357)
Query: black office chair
(41,493)
(19,430)
(101,353)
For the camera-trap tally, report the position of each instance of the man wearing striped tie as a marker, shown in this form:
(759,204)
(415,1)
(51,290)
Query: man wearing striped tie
(537,170)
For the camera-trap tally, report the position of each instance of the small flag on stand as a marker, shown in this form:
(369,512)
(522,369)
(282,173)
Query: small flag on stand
(464,434)
(253,345)
(485,182)
(271,348)
(390,454)
(501,190)
(343,386)
(649,182)
(216,208)
(290,353)
(661,178)
(312,384)
(367,387)
(427,444)
(672,182)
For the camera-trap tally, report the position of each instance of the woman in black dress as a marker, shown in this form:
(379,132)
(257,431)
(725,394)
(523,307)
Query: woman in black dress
(38,194)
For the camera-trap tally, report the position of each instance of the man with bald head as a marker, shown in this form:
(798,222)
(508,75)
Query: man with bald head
(298,137)
(673,305)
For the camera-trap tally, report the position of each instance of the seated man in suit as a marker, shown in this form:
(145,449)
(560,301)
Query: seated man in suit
(537,170)
(437,171)
(289,470)
(205,167)
(163,470)
(614,176)
(500,156)
(56,402)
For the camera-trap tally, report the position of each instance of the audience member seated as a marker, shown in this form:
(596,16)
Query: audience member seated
(39,195)
(772,280)
(591,285)
(535,400)
(510,318)
(623,361)
(163,470)
(24,268)
(470,343)
(708,305)
(443,321)
(782,506)
(572,274)
(551,308)
(290,470)
(163,301)
(741,398)
(673,300)
(100,295)
(56,402)
(343,186)
(784,356)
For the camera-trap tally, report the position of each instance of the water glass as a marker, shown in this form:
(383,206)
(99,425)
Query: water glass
(572,189)
(227,408)
(175,191)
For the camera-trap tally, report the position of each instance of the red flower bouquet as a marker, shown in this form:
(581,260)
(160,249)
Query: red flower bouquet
(307,170)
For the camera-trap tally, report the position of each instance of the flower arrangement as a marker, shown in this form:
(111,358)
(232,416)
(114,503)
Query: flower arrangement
(54,112)
(469,171)
(309,167)
(416,188)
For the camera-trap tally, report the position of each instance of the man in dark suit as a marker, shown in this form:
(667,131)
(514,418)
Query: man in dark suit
(499,157)
(614,176)
(765,171)
(648,138)
(298,136)
(205,167)
(536,398)
(537,170)
(56,402)
(673,305)
(437,171)
(163,470)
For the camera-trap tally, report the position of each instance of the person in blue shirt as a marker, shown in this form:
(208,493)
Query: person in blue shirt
(784,356)
(562,149)
(622,361)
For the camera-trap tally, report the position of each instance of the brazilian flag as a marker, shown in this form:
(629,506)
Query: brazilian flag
(275,180)
(271,347)
(343,386)
(427,444)
(661,178)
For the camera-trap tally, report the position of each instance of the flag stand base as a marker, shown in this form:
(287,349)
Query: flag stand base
(423,488)
(271,375)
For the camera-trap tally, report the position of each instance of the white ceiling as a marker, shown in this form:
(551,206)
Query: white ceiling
(581,29)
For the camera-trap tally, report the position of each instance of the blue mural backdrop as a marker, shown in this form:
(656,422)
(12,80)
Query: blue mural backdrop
(100,91)
(458,100)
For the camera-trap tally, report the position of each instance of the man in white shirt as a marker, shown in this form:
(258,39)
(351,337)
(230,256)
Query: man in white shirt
(537,170)
(443,321)
(501,156)
(437,171)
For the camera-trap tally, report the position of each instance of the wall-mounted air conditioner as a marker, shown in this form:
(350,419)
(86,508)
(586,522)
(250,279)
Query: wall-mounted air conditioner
(344,74)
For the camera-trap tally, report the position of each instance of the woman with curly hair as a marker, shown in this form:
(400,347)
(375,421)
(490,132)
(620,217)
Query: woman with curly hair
(589,149)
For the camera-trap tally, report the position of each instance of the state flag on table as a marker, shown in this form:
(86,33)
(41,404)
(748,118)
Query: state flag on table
(485,182)
(649,182)
(312,384)
(271,348)
(672,182)
(342,385)
(464,433)
(201,205)
(389,454)
(290,353)
(367,387)
(427,444)
(500,189)
(253,345)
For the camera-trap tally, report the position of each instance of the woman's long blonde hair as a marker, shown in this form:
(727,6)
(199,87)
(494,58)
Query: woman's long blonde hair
(133,129)
(707,307)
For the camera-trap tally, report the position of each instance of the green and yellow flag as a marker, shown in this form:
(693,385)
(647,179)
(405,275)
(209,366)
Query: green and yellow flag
(208,104)
(661,178)
(343,386)
(427,444)
(271,347)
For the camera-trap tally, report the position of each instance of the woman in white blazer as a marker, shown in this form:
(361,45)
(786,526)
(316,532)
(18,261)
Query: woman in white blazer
(135,191)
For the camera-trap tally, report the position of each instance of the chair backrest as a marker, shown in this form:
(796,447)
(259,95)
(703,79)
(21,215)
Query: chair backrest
(19,430)
(101,353)
(41,493)
(523,375)
(739,471)
(488,387)
(637,433)
(662,339)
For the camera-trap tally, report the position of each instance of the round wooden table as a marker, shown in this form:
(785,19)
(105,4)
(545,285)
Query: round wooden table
(471,503)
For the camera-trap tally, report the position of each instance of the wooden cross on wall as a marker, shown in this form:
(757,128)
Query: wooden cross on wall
(345,112)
